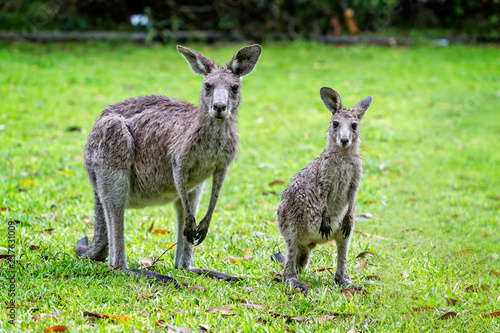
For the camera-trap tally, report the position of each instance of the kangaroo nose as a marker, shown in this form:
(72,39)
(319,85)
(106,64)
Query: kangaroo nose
(219,107)
(344,141)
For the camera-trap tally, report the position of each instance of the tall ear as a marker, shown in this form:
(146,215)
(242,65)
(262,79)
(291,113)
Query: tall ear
(245,59)
(360,108)
(331,99)
(198,62)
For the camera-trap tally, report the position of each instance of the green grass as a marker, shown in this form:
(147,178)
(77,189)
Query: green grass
(432,153)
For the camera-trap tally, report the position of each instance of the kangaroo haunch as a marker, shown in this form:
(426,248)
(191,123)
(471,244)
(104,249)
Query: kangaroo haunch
(318,205)
(152,150)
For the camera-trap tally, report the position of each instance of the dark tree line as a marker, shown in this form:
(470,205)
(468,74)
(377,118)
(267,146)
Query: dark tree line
(253,16)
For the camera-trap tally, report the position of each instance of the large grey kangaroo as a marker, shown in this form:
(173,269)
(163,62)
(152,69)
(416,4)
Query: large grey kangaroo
(318,205)
(152,150)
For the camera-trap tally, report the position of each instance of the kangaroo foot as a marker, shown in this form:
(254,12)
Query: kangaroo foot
(299,285)
(154,277)
(82,249)
(348,284)
(279,258)
(213,274)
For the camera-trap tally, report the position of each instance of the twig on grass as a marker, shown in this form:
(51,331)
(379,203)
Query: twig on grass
(158,259)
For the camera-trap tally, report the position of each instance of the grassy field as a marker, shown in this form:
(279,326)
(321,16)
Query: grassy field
(431,147)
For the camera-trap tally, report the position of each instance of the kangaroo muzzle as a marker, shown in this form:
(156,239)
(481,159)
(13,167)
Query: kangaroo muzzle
(219,108)
(344,138)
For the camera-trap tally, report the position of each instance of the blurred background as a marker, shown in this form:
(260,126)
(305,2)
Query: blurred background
(160,20)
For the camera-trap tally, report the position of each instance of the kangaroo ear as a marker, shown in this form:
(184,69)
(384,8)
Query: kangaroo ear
(198,62)
(331,99)
(244,60)
(360,108)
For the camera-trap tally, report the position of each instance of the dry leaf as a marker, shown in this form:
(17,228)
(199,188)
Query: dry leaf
(238,259)
(106,316)
(4,209)
(365,254)
(352,330)
(330,270)
(466,251)
(425,308)
(448,315)
(253,306)
(350,291)
(276,182)
(144,313)
(472,288)
(451,301)
(5,256)
(250,288)
(362,264)
(373,277)
(258,233)
(495,273)
(48,231)
(43,315)
(194,288)
(161,232)
(58,328)
(233,259)
(492,315)
(297,319)
(404,274)
(370,201)
(175,329)
(223,311)
(34,247)
(146,262)
(370,235)
(230,207)
(363,217)
(325,318)
(204,328)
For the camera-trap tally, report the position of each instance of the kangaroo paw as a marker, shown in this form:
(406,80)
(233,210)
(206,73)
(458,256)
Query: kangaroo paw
(154,277)
(325,230)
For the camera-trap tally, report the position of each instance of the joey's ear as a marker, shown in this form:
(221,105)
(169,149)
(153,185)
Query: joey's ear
(198,62)
(244,60)
(331,99)
(360,108)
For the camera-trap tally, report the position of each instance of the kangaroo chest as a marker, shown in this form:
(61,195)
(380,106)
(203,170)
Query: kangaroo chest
(343,180)
(204,159)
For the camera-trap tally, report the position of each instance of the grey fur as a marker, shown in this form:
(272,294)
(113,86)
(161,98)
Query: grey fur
(318,205)
(152,150)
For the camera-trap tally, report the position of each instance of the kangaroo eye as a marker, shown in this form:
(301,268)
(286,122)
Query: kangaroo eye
(235,89)
(335,124)
(354,126)
(208,86)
